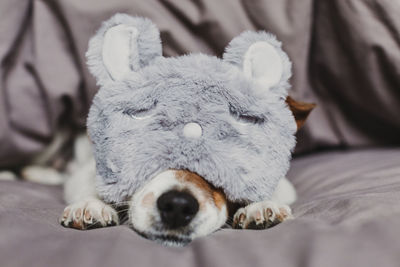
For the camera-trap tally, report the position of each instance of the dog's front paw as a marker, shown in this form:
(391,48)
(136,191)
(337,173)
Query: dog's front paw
(89,214)
(261,215)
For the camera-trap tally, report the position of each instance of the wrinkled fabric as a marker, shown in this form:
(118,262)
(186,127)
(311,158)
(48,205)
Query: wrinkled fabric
(347,214)
(345,54)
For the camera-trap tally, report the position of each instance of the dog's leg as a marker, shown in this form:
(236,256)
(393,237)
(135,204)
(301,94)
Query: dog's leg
(265,214)
(7,176)
(42,175)
(85,210)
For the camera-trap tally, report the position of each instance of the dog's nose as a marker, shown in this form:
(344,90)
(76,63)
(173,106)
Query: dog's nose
(177,208)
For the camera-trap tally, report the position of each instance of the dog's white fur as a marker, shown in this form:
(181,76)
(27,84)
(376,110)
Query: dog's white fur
(7,176)
(86,208)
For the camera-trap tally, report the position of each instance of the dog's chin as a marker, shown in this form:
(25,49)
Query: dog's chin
(169,240)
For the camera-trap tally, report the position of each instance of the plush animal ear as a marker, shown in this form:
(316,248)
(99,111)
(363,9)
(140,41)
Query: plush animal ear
(260,56)
(300,110)
(122,45)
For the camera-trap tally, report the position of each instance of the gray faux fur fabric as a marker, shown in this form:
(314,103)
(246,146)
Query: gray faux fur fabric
(137,120)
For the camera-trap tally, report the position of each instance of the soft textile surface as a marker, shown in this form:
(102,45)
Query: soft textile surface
(137,121)
(348,214)
(346,58)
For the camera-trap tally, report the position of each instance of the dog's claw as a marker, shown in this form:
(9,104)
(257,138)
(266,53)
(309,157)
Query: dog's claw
(261,215)
(239,218)
(89,214)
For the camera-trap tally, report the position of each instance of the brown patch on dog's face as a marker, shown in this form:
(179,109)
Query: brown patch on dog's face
(300,110)
(215,195)
(219,199)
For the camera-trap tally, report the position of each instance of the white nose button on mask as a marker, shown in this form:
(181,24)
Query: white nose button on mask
(192,130)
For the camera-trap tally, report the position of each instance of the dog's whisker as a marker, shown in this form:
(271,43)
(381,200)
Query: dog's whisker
(226,226)
(120,203)
(229,221)
(121,211)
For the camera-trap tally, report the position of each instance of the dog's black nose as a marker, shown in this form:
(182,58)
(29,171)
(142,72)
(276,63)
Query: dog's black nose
(177,208)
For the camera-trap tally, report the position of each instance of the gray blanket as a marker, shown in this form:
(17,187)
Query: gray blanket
(348,214)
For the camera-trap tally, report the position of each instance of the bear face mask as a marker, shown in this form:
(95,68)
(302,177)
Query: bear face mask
(224,119)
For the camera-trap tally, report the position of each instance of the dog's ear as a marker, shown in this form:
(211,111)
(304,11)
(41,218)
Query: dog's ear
(122,45)
(300,110)
(260,56)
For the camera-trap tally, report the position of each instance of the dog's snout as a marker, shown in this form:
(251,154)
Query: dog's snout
(177,208)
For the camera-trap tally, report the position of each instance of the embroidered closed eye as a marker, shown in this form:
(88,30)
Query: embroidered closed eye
(245,117)
(139,113)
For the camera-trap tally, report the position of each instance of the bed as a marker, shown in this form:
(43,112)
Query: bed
(346,167)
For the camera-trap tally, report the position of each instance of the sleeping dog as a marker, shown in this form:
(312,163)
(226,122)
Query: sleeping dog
(184,143)
(187,144)
(174,207)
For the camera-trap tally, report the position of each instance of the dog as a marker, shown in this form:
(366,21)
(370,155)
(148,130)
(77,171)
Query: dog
(174,205)
(174,208)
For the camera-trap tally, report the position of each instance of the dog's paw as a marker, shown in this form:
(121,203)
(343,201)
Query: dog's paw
(89,214)
(261,215)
